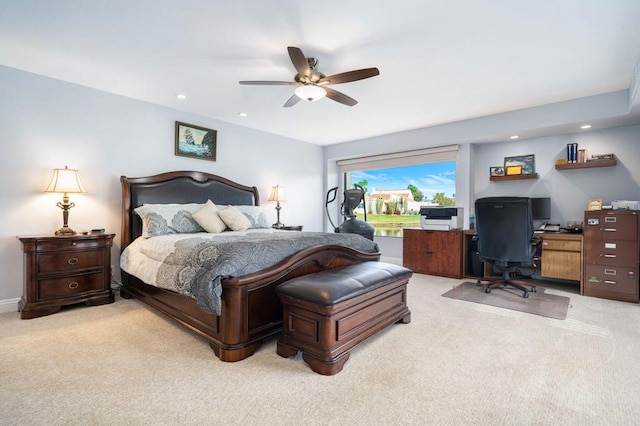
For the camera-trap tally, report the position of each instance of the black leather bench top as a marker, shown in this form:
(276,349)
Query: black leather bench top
(337,285)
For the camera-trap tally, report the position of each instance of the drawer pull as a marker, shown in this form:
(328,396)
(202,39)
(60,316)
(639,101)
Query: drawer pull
(609,255)
(73,284)
(609,229)
(72,261)
(73,243)
(609,282)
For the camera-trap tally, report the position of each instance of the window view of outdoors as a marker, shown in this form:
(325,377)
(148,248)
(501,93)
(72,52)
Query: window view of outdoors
(394,196)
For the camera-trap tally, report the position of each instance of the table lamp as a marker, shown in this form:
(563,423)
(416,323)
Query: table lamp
(65,181)
(277,195)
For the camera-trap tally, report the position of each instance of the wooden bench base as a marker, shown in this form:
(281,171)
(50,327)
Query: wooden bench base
(325,333)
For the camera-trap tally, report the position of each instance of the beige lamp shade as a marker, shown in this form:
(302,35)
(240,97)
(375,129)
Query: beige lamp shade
(277,194)
(65,181)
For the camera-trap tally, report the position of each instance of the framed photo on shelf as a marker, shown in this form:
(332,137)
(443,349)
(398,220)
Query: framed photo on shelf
(526,162)
(514,170)
(496,171)
(195,141)
(595,204)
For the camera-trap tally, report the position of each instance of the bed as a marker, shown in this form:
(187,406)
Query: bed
(250,309)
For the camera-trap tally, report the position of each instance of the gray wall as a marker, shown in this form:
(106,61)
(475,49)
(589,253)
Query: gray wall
(47,123)
(569,190)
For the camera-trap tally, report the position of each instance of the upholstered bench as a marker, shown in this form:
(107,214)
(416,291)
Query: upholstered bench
(327,313)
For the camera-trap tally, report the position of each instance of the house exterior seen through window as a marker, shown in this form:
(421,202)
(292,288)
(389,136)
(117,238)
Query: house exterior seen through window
(394,195)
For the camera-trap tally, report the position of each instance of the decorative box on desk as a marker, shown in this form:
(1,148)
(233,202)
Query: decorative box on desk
(63,270)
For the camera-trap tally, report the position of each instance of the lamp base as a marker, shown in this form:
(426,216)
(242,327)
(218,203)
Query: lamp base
(65,230)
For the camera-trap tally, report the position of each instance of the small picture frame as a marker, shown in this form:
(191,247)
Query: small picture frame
(195,141)
(595,204)
(496,171)
(527,162)
(514,170)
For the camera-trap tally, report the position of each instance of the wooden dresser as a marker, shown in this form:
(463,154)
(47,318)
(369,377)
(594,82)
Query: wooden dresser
(433,252)
(611,254)
(63,270)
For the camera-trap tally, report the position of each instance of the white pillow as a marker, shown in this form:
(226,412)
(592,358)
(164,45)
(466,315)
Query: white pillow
(208,218)
(163,219)
(234,219)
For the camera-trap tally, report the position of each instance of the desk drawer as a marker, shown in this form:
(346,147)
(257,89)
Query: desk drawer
(562,245)
(611,279)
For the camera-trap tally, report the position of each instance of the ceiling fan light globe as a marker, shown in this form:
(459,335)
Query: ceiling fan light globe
(310,92)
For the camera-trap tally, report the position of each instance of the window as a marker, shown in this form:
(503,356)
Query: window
(396,185)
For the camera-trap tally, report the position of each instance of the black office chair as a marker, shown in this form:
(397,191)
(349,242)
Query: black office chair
(505,239)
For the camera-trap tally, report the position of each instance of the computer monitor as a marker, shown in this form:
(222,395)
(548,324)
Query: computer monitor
(541,208)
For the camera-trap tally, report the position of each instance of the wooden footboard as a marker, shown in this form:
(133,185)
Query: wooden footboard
(251,309)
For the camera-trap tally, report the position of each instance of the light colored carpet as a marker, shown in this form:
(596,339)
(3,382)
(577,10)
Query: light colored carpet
(539,302)
(455,363)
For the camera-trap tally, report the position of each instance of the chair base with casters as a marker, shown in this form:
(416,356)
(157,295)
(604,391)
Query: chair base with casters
(506,280)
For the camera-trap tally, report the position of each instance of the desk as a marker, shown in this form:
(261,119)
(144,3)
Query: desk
(560,256)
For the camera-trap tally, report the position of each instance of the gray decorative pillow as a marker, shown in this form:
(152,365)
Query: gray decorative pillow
(256,216)
(164,219)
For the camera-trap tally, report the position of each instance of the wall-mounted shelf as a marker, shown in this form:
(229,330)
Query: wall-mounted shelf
(588,164)
(513,177)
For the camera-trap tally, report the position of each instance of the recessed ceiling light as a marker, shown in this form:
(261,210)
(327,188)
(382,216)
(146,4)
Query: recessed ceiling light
(242,114)
(181,96)
(586,126)
(514,137)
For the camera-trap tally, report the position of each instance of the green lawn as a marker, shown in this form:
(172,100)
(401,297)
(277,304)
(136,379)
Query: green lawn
(391,220)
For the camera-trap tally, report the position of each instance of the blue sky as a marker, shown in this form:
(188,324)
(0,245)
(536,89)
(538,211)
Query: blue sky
(429,178)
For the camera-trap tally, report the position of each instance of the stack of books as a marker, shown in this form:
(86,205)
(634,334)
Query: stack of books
(575,155)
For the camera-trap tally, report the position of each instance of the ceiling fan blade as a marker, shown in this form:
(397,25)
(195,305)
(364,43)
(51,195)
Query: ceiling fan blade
(299,61)
(292,101)
(349,76)
(268,83)
(340,97)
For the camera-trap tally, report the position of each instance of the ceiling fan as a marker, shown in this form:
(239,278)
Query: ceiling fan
(312,84)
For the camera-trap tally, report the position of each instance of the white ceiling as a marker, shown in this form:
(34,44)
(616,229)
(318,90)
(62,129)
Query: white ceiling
(440,61)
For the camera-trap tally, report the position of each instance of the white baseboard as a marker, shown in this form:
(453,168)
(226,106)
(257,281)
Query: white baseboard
(9,305)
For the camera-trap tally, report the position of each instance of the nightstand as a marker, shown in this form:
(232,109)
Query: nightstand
(291,228)
(64,270)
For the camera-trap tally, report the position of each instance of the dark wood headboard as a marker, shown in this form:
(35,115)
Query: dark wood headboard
(178,188)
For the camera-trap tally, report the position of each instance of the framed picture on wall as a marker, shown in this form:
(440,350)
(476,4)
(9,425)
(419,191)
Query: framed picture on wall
(195,141)
(496,171)
(527,162)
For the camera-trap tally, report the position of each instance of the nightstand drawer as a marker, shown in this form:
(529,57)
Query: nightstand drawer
(70,285)
(58,244)
(70,260)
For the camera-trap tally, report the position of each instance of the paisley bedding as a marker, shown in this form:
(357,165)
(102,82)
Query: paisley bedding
(195,264)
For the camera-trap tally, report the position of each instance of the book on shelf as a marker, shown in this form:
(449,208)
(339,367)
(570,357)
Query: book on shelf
(572,152)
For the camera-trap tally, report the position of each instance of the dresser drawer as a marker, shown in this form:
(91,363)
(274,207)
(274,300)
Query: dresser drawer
(70,285)
(70,260)
(607,252)
(58,244)
(614,226)
(611,279)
